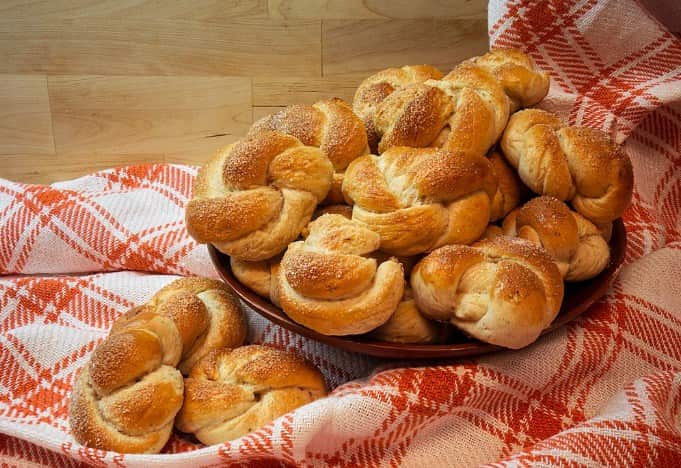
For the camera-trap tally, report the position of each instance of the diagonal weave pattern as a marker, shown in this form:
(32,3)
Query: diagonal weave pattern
(605,389)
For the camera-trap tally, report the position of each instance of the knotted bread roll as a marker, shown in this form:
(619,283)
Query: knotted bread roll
(374,89)
(574,242)
(418,199)
(127,396)
(330,125)
(255,196)
(230,393)
(524,85)
(503,291)
(575,164)
(466,111)
(329,284)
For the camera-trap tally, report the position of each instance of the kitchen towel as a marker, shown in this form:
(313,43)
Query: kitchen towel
(605,390)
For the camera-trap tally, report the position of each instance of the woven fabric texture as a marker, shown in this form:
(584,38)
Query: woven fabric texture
(604,390)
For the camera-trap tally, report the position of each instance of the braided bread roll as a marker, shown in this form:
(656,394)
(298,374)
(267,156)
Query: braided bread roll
(524,85)
(374,89)
(466,111)
(127,396)
(502,291)
(255,196)
(575,164)
(330,125)
(418,199)
(575,243)
(230,393)
(329,284)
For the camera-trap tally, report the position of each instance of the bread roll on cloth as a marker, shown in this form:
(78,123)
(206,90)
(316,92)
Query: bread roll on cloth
(126,397)
(230,393)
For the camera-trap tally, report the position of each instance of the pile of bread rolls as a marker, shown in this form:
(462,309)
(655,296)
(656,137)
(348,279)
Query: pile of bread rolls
(178,360)
(380,220)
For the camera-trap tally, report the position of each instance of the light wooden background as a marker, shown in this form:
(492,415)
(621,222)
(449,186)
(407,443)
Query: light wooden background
(90,84)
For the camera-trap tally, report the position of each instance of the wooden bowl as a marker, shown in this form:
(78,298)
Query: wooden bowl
(578,298)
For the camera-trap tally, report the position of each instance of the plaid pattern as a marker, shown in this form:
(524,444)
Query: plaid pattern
(604,390)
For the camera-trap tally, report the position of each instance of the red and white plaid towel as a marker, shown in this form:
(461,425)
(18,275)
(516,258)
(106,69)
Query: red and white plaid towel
(604,390)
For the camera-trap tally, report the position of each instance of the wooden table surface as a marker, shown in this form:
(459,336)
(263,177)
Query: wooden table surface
(90,84)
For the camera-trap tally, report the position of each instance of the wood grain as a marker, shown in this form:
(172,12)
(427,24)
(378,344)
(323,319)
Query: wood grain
(205,10)
(281,90)
(45,169)
(25,124)
(373,9)
(370,45)
(90,84)
(147,115)
(158,46)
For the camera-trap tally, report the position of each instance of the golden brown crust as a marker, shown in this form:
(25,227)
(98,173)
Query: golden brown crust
(418,199)
(129,393)
(510,189)
(481,109)
(466,111)
(336,276)
(329,284)
(122,358)
(523,83)
(255,196)
(573,164)
(91,429)
(232,392)
(412,116)
(503,291)
(577,246)
(376,88)
(339,209)
(330,125)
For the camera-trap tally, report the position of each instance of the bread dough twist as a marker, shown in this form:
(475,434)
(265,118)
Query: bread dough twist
(230,393)
(374,89)
(575,243)
(466,111)
(503,291)
(510,189)
(408,325)
(418,199)
(330,125)
(255,196)
(127,396)
(329,283)
(575,164)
